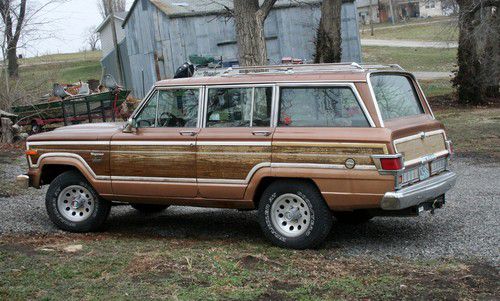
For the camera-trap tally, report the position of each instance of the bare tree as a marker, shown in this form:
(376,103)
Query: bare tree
(92,37)
(13,17)
(105,8)
(478,75)
(328,36)
(249,18)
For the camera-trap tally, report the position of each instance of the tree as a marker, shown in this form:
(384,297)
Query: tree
(13,17)
(478,75)
(105,8)
(92,38)
(328,36)
(249,18)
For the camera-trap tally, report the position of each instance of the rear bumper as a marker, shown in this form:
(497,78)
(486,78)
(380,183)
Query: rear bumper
(418,193)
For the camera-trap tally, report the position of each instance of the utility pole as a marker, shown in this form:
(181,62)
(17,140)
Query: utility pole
(371,18)
(115,41)
(392,12)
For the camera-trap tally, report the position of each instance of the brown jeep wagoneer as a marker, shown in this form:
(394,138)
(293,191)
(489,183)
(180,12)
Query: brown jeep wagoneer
(301,144)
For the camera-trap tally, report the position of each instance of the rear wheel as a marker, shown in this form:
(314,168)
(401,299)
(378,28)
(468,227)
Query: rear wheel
(73,204)
(148,208)
(353,217)
(293,214)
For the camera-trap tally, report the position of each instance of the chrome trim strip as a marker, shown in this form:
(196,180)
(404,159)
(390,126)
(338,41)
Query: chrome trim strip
(419,135)
(320,166)
(423,94)
(375,102)
(69,155)
(152,143)
(233,143)
(28,144)
(153,179)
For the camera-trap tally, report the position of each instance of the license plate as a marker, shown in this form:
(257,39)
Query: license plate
(423,171)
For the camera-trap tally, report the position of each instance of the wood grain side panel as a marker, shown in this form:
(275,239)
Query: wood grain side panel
(153,161)
(417,148)
(230,162)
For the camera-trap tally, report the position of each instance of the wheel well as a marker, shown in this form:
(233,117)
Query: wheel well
(266,181)
(51,171)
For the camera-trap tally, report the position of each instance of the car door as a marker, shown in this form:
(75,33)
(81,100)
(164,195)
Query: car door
(235,140)
(158,159)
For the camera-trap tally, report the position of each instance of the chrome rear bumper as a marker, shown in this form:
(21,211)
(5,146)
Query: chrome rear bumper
(418,193)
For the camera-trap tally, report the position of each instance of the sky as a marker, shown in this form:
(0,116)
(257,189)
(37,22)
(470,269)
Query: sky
(66,30)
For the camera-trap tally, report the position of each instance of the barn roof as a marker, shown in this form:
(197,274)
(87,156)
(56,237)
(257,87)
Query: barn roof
(185,8)
(118,15)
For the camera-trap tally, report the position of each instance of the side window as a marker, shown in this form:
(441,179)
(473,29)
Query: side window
(147,117)
(320,107)
(178,108)
(263,101)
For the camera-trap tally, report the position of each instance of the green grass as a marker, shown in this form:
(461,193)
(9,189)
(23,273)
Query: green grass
(63,57)
(419,31)
(437,87)
(128,268)
(474,131)
(412,59)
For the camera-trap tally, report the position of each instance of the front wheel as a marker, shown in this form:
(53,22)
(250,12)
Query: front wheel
(73,204)
(293,214)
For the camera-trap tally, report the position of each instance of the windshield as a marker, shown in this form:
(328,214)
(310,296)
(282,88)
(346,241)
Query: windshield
(396,96)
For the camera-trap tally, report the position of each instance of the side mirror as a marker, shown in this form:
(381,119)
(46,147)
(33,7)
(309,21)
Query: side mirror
(130,126)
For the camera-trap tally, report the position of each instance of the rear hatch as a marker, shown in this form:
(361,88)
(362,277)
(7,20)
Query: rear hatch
(416,135)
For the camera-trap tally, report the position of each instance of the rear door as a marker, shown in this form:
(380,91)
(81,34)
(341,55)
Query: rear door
(235,140)
(159,159)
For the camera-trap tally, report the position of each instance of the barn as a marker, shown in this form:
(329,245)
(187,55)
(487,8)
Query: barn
(163,34)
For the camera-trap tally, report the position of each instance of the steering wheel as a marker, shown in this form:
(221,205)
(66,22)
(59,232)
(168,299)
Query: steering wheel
(171,120)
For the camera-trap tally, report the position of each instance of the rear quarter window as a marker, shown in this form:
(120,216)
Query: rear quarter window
(396,96)
(320,107)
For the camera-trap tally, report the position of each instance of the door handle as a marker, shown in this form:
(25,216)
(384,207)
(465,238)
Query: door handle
(188,133)
(261,133)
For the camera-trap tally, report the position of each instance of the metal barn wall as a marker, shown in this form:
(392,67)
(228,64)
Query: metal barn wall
(109,65)
(289,32)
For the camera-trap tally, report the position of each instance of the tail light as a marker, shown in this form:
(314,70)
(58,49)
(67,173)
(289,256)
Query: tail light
(388,163)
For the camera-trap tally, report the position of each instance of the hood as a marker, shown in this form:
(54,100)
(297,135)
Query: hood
(81,132)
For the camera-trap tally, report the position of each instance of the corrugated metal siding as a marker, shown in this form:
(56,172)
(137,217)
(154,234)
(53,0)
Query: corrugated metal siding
(290,31)
(109,65)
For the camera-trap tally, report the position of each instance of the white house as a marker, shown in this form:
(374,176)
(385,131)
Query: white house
(106,33)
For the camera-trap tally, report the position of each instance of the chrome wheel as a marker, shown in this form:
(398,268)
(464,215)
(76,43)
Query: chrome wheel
(290,215)
(75,203)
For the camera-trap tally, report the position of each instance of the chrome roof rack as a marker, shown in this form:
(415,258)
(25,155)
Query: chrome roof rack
(296,68)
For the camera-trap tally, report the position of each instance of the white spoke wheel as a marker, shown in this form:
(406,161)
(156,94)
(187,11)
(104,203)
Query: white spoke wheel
(293,214)
(73,204)
(76,203)
(290,215)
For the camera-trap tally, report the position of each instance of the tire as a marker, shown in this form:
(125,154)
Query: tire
(73,205)
(353,217)
(293,214)
(148,208)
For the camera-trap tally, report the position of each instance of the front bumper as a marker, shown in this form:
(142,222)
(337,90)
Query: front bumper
(418,193)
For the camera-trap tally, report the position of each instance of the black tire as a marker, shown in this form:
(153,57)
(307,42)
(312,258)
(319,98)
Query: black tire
(320,216)
(149,208)
(356,217)
(96,218)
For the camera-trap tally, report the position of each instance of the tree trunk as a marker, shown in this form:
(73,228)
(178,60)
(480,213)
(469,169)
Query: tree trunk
(6,131)
(250,33)
(13,65)
(328,39)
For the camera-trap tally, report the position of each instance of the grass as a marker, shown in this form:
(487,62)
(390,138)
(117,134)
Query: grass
(63,57)
(419,31)
(412,59)
(437,87)
(129,268)
(474,131)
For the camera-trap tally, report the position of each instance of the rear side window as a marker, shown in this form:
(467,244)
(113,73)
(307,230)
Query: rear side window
(320,107)
(396,96)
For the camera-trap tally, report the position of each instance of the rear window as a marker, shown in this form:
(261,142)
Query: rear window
(396,96)
(320,107)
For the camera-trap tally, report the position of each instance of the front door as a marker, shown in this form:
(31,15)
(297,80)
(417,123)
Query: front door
(159,158)
(235,141)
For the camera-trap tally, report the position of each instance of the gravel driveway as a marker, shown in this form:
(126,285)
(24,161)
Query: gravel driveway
(467,228)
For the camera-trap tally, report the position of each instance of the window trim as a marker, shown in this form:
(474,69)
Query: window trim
(417,88)
(334,84)
(236,86)
(155,90)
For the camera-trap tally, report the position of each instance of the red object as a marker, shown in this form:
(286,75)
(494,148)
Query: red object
(391,163)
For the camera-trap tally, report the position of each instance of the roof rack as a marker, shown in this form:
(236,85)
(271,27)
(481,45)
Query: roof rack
(296,68)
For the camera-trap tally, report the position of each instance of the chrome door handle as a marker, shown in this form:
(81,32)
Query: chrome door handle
(261,133)
(188,133)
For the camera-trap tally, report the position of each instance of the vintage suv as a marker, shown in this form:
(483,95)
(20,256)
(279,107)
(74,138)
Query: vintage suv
(302,144)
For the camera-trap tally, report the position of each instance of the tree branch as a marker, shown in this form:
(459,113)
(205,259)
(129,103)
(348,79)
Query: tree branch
(265,8)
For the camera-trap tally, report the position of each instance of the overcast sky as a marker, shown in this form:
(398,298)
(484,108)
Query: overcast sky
(67,28)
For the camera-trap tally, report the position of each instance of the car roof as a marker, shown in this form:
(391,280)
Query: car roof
(343,72)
